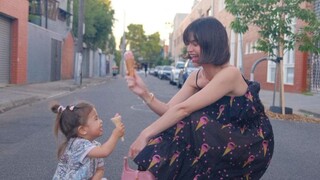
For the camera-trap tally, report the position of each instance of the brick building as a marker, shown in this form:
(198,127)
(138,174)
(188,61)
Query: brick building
(13,41)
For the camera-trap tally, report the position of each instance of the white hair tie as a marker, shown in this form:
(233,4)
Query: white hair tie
(71,108)
(61,109)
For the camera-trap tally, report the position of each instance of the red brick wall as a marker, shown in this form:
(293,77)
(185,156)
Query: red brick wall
(17,10)
(67,57)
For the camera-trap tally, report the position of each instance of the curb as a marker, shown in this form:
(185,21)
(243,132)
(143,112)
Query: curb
(13,104)
(309,113)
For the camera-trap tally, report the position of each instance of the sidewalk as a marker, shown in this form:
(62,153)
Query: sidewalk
(12,96)
(16,95)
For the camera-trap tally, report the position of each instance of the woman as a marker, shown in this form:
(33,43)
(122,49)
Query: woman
(215,126)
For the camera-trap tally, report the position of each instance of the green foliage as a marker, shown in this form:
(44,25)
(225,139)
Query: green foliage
(146,48)
(274,19)
(98,24)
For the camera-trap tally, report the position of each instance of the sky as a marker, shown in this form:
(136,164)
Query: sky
(154,15)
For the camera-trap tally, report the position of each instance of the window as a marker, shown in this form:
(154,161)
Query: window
(222,5)
(288,63)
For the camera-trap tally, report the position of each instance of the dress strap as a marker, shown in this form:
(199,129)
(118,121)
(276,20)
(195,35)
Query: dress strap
(197,79)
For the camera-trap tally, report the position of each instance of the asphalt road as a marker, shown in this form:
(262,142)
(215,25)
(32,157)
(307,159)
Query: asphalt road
(28,147)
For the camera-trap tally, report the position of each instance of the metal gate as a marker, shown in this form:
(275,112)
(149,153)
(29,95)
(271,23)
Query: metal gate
(55,60)
(315,73)
(5,49)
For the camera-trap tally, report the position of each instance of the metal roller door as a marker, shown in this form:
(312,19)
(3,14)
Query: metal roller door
(5,46)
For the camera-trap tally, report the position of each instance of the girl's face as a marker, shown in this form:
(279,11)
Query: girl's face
(94,125)
(193,50)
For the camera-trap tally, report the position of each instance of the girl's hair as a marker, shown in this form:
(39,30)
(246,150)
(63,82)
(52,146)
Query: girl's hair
(212,38)
(69,119)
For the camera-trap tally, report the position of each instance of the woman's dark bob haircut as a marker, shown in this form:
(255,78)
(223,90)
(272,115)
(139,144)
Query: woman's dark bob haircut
(212,38)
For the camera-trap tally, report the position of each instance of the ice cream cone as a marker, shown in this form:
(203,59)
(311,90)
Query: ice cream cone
(231,146)
(116,121)
(265,146)
(204,149)
(130,63)
(180,125)
(155,160)
(203,120)
(250,159)
(174,157)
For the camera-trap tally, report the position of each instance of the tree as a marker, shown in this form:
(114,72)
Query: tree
(98,24)
(145,48)
(152,48)
(274,20)
(135,39)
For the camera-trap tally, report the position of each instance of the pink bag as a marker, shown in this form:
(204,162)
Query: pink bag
(130,174)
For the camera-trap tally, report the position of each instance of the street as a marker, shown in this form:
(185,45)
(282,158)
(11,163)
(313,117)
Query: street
(28,147)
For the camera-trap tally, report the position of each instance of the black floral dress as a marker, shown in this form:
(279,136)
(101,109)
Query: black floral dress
(229,139)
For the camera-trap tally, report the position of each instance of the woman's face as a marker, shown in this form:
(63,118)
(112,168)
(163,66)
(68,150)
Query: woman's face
(194,51)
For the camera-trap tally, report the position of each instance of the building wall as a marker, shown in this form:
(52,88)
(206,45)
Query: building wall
(68,52)
(40,53)
(17,10)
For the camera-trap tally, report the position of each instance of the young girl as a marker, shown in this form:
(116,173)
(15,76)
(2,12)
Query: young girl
(80,156)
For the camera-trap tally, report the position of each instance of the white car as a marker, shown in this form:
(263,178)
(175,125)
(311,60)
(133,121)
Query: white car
(174,77)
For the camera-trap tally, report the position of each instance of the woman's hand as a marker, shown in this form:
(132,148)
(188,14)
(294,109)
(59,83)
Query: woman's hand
(137,146)
(136,85)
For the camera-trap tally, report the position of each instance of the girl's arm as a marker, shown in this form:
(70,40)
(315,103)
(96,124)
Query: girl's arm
(106,148)
(226,82)
(99,174)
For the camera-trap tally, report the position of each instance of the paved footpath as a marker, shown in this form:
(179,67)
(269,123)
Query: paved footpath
(12,96)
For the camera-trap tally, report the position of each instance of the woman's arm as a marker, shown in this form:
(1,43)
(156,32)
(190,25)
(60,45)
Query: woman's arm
(138,87)
(224,83)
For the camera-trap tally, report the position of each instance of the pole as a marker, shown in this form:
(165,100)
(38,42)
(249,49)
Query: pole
(123,48)
(78,69)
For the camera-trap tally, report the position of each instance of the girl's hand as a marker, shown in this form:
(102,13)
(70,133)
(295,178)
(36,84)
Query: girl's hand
(136,85)
(119,130)
(137,146)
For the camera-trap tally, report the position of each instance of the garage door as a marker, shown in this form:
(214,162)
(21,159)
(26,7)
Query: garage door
(5,50)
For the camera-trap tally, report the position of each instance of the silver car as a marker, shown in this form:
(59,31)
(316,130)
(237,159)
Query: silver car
(174,77)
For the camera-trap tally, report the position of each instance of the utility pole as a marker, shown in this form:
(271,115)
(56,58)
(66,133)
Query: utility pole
(123,49)
(78,67)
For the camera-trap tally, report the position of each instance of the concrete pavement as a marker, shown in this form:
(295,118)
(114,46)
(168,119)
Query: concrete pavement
(12,96)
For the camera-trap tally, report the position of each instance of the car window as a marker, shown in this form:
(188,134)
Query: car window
(190,64)
(180,65)
(167,68)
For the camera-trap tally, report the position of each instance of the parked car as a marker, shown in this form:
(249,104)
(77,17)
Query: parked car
(156,70)
(165,72)
(185,72)
(151,71)
(174,76)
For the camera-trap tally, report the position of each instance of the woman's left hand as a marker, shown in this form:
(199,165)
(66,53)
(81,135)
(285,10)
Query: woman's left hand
(137,146)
